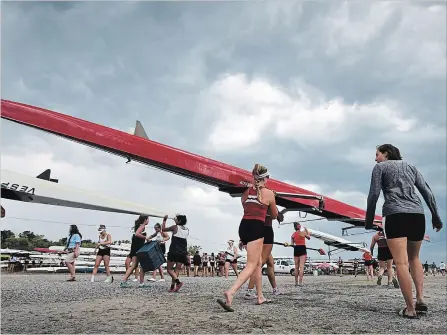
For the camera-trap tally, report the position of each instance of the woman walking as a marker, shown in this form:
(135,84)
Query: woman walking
(73,249)
(256,200)
(103,254)
(138,240)
(403,219)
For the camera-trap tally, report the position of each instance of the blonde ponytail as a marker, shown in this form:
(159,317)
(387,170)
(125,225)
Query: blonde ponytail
(257,171)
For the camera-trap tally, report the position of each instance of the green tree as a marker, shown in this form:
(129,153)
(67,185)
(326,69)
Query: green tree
(6,234)
(192,249)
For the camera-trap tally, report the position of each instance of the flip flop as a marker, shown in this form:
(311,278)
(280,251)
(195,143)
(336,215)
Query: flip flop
(403,314)
(421,307)
(267,301)
(224,305)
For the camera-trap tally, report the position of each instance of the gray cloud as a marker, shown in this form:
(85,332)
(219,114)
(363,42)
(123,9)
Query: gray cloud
(158,62)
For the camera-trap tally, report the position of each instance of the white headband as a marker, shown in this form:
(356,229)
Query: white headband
(262,176)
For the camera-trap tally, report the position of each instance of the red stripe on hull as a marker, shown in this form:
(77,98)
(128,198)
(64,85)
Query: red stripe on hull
(157,154)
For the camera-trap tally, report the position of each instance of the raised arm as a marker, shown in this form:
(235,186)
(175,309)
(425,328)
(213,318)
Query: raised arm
(429,199)
(373,196)
(172,228)
(272,203)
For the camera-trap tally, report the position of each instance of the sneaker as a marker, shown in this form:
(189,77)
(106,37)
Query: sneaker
(379,280)
(135,280)
(143,285)
(92,280)
(109,279)
(151,279)
(161,280)
(276,292)
(250,295)
(125,284)
(178,287)
(395,283)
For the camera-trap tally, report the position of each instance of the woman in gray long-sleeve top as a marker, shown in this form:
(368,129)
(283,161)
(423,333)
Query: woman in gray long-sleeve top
(403,219)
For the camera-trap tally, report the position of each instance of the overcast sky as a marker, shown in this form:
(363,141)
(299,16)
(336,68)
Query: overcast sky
(308,89)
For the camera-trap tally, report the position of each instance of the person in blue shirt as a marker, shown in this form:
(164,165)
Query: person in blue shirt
(73,248)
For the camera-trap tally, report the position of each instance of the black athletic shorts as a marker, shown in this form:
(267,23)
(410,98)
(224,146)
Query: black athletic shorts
(368,263)
(409,225)
(177,257)
(269,235)
(384,254)
(251,230)
(299,250)
(103,252)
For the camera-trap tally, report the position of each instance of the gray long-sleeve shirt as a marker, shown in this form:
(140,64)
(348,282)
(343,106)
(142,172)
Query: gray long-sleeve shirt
(397,179)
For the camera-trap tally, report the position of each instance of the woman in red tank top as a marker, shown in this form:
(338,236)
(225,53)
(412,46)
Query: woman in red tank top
(298,240)
(256,200)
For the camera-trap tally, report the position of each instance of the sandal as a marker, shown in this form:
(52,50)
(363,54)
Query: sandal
(267,301)
(403,314)
(421,307)
(224,305)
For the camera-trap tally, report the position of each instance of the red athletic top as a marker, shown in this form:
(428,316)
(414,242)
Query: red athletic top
(297,239)
(253,209)
(367,256)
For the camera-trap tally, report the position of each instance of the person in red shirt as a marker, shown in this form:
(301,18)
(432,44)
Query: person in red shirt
(256,200)
(367,257)
(298,240)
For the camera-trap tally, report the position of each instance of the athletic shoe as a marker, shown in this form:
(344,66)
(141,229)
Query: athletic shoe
(162,280)
(109,279)
(151,279)
(178,287)
(276,292)
(379,280)
(125,284)
(395,283)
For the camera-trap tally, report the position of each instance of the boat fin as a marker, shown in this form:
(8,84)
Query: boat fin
(46,175)
(139,130)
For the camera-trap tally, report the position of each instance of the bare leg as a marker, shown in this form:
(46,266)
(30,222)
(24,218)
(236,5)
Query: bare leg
(297,269)
(398,248)
(417,274)
(302,265)
(254,251)
(98,261)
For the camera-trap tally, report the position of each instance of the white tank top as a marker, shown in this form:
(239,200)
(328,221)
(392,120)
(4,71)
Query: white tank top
(103,240)
(158,237)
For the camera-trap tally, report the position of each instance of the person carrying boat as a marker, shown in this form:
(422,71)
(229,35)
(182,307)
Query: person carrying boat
(138,240)
(103,253)
(267,257)
(256,200)
(177,250)
(298,240)
(383,256)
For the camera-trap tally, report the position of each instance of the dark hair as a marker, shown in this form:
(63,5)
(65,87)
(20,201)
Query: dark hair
(392,153)
(181,220)
(74,230)
(296,224)
(140,221)
(157,225)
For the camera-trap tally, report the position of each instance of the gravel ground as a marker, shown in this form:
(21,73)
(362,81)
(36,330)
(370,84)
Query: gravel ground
(45,303)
